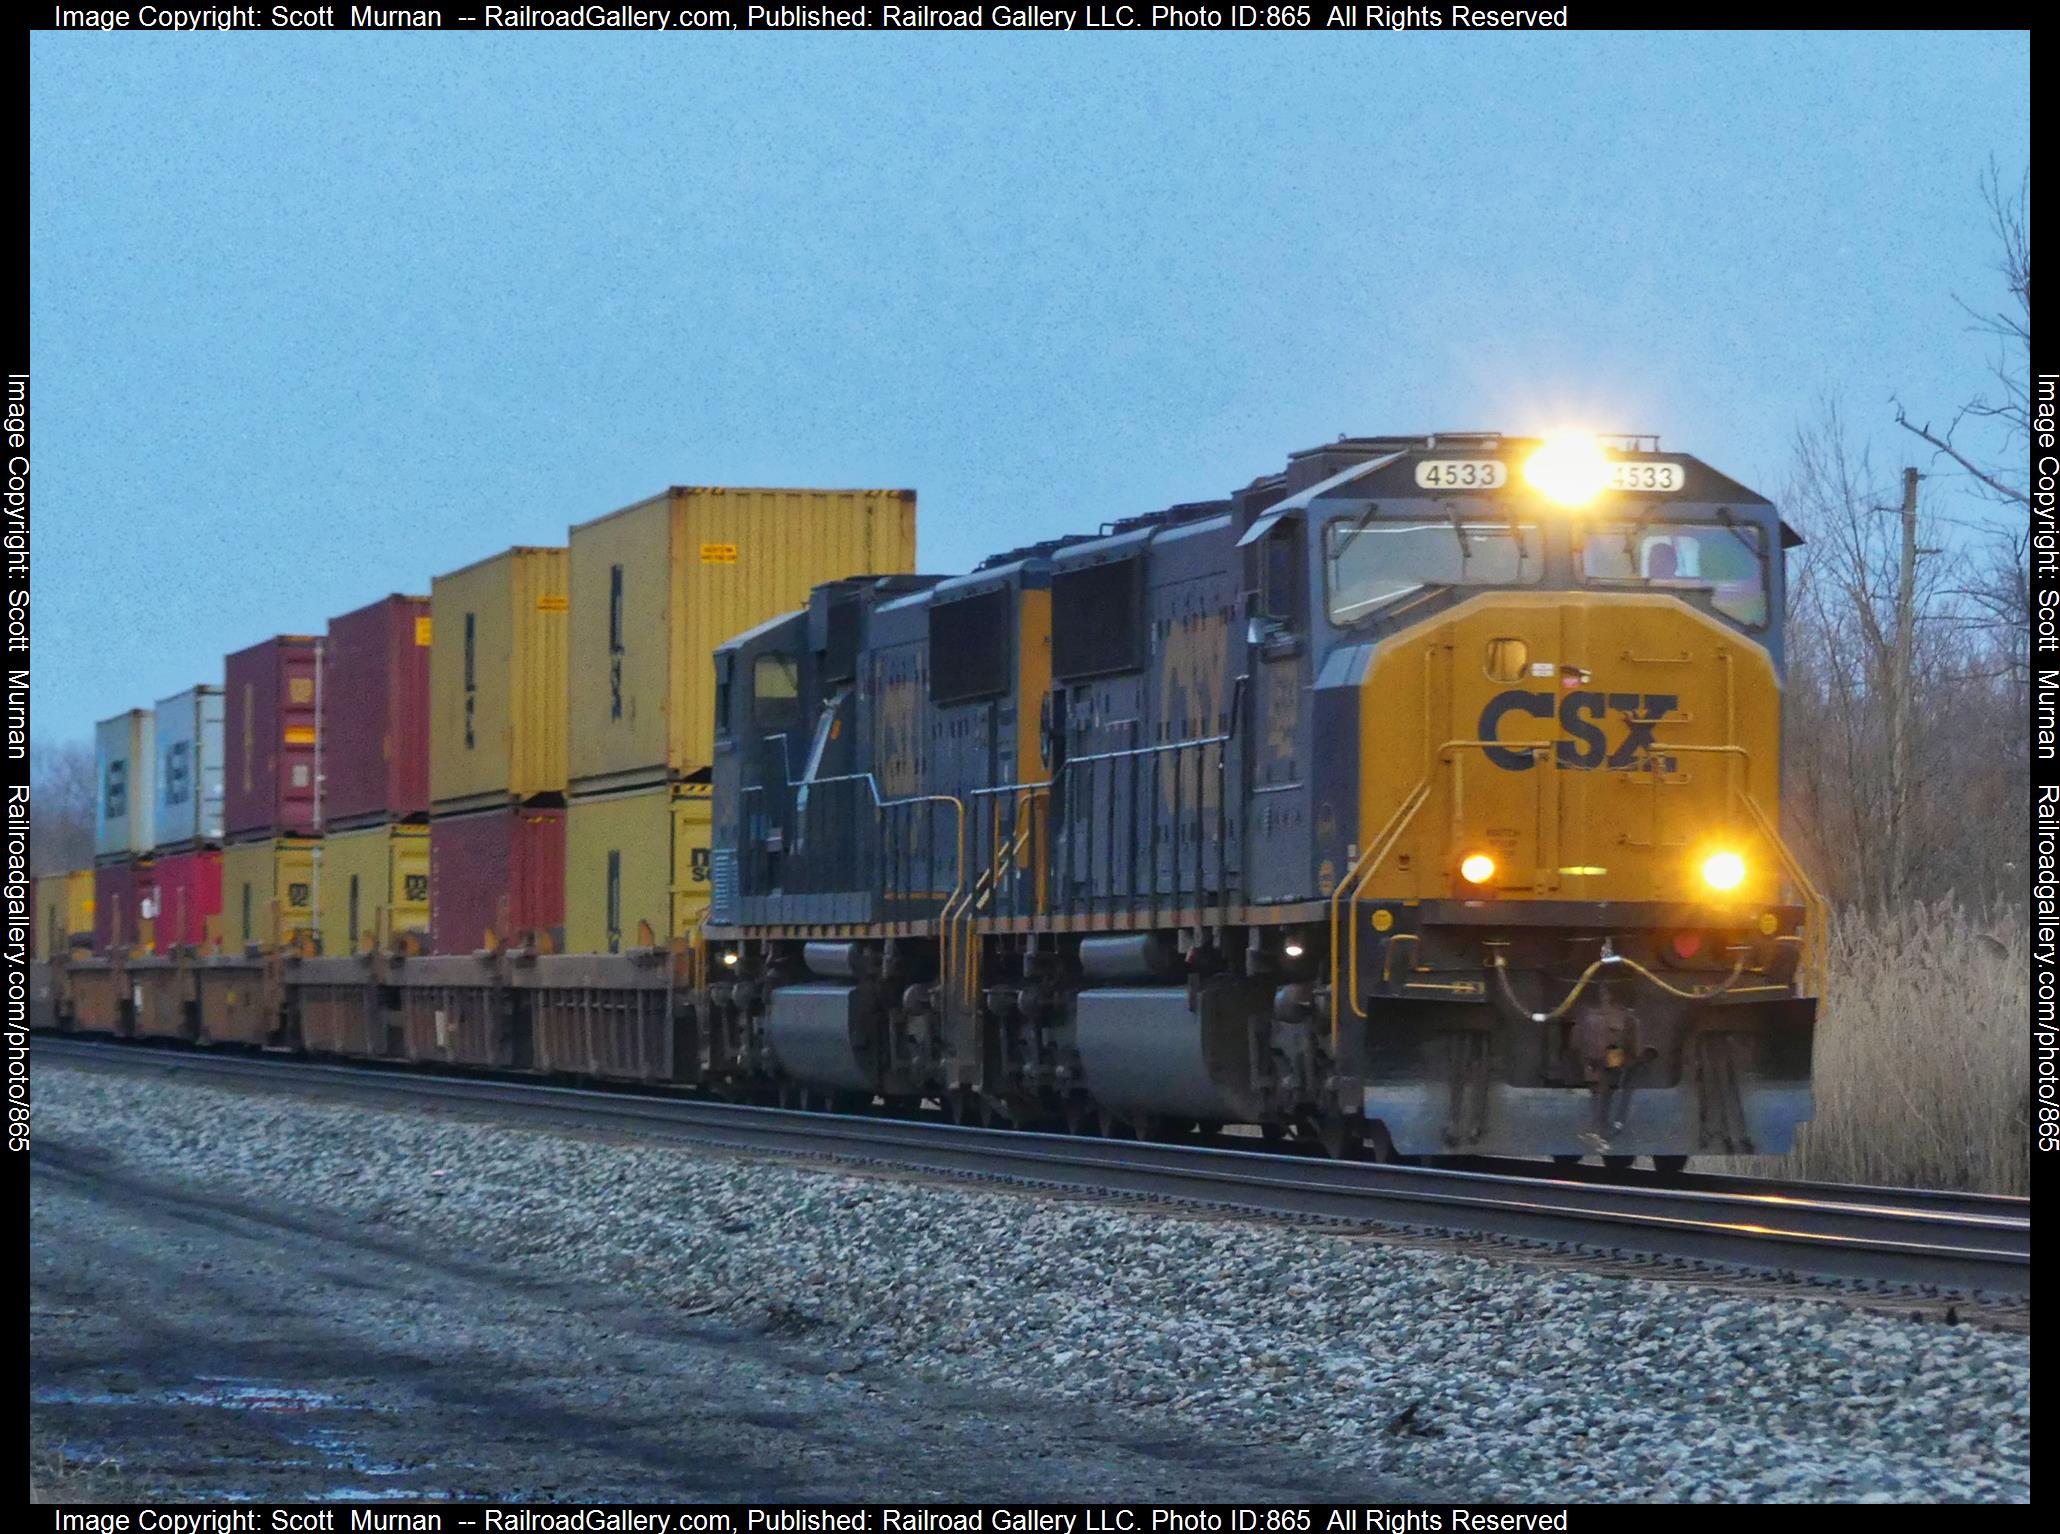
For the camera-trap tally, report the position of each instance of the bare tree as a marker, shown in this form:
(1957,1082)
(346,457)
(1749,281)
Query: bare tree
(62,791)
(1905,754)
(2008,324)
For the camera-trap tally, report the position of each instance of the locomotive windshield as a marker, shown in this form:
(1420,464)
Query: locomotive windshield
(1376,564)
(1728,561)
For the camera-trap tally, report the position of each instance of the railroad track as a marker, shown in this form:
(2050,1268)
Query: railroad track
(1944,1242)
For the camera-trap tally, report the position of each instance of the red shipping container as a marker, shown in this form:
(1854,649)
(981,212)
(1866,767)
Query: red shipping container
(269,746)
(499,871)
(189,900)
(375,714)
(122,905)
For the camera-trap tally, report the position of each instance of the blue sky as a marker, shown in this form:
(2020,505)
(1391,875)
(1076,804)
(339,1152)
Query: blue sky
(316,317)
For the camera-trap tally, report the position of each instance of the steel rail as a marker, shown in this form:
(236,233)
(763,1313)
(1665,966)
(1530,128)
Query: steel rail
(1906,1243)
(1934,1200)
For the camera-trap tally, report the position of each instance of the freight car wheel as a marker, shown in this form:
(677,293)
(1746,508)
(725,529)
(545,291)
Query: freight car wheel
(1670,1166)
(1620,1163)
(1566,1158)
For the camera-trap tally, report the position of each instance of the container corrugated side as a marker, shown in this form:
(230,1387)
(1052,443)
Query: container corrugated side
(497,680)
(657,586)
(633,860)
(123,906)
(189,900)
(375,713)
(268,891)
(498,871)
(618,870)
(785,542)
(189,767)
(270,738)
(374,884)
(64,911)
(125,780)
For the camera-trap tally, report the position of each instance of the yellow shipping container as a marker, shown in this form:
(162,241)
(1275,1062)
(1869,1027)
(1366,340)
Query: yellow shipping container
(374,883)
(64,910)
(497,680)
(657,586)
(633,858)
(268,891)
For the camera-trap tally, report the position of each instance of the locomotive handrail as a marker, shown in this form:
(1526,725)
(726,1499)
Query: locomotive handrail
(1352,887)
(881,805)
(1348,888)
(1810,962)
(1817,928)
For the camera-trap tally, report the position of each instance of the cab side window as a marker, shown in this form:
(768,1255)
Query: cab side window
(775,692)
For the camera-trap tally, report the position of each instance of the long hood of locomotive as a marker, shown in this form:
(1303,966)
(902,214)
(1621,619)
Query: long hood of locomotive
(1596,748)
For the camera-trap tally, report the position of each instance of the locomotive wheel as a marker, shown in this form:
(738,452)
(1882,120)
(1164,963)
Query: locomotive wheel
(1113,1128)
(1620,1163)
(1273,1134)
(1670,1166)
(962,1106)
(1566,1158)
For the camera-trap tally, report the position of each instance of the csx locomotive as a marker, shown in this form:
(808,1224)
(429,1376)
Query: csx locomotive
(1421,797)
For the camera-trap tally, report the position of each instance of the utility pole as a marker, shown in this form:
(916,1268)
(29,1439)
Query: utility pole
(1904,685)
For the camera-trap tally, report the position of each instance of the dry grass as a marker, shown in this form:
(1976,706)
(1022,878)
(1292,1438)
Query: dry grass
(1923,1062)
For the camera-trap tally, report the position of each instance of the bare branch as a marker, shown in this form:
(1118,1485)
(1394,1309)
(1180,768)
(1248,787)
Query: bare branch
(2006,491)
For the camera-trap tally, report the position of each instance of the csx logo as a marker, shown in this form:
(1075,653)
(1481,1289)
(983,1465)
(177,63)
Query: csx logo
(1589,719)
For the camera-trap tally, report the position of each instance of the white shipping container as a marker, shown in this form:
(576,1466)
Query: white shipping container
(125,773)
(189,767)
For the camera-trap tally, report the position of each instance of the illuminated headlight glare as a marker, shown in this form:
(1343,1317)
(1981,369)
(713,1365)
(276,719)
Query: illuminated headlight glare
(1723,871)
(730,957)
(1569,469)
(1292,949)
(1478,868)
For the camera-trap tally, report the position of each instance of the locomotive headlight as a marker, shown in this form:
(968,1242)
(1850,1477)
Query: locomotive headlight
(1723,871)
(730,957)
(1477,868)
(1569,469)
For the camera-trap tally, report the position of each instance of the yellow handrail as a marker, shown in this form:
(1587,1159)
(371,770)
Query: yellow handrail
(983,888)
(1348,889)
(1345,897)
(1817,922)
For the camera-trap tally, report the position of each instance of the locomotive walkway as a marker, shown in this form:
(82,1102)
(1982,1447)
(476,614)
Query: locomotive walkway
(1912,1239)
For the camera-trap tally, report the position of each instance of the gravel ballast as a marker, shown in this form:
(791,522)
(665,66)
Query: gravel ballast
(1488,1378)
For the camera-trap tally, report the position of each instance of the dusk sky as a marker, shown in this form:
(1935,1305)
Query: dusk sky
(316,317)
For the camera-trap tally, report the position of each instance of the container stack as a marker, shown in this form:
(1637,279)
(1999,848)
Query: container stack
(374,784)
(269,810)
(655,588)
(124,878)
(497,753)
(188,813)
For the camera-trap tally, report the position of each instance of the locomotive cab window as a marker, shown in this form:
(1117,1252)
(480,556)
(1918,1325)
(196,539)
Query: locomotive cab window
(1727,560)
(1373,565)
(725,669)
(1280,573)
(775,692)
